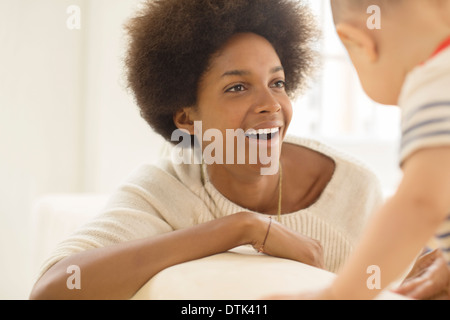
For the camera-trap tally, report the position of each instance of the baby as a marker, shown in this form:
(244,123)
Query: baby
(402,59)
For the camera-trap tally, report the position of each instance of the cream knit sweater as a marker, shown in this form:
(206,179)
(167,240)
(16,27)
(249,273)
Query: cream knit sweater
(157,199)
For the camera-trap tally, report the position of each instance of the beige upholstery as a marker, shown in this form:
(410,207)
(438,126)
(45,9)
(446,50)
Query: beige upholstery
(241,274)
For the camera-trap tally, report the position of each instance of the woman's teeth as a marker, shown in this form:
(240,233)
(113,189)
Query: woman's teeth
(265,134)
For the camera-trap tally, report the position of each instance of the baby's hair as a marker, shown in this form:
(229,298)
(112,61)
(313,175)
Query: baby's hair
(172,43)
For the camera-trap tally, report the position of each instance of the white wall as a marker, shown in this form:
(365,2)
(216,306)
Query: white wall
(116,138)
(66,122)
(39,122)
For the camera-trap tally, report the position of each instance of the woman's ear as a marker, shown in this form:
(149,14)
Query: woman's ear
(184,119)
(358,43)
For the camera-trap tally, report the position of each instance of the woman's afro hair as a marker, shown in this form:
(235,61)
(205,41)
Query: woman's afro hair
(171,43)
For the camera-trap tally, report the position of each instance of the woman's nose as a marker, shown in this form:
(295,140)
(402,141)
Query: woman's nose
(267,103)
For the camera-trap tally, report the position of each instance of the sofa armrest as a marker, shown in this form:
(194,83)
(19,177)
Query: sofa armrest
(240,274)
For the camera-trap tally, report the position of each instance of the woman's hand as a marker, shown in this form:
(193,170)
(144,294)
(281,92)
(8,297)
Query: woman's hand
(429,278)
(283,242)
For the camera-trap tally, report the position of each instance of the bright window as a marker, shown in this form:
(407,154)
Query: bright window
(336,110)
(336,106)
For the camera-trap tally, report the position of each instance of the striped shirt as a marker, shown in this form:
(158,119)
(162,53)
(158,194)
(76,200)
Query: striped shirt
(443,239)
(425,106)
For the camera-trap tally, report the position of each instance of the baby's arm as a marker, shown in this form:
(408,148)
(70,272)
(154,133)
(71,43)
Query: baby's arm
(397,233)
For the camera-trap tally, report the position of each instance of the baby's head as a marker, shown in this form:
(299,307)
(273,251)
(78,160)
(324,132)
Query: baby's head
(386,39)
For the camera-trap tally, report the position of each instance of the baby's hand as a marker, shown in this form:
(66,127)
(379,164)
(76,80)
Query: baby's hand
(429,278)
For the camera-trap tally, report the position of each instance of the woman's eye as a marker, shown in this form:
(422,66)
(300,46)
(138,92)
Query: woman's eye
(279,84)
(236,88)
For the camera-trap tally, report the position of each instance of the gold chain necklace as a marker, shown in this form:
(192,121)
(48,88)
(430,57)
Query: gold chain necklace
(280,181)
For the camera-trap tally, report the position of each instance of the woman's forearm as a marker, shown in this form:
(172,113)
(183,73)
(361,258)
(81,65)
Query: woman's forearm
(119,271)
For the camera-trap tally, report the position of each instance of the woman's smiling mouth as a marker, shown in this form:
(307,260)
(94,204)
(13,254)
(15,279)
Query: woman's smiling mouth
(262,134)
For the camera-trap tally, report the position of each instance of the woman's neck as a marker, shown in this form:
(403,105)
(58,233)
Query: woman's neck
(306,174)
(245,186)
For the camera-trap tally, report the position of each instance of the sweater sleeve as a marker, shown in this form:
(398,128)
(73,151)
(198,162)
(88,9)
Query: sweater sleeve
(131,213)
(152,201)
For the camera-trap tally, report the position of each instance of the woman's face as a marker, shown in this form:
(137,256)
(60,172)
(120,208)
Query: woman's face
(244,88)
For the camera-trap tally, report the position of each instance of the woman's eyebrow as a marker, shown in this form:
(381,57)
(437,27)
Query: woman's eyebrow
(246,72)
(236,73)
(276,69)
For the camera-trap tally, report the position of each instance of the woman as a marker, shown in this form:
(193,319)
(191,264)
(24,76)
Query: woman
(226,65)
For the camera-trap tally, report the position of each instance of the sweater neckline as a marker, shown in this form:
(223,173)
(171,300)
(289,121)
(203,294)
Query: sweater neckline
(231,207)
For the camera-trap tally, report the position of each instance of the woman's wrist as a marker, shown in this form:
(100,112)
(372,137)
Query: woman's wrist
(252,228)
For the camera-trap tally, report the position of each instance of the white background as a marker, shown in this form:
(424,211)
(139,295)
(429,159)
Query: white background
(68,124)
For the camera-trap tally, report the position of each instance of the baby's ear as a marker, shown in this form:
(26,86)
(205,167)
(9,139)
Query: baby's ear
(357,42)
(184,119)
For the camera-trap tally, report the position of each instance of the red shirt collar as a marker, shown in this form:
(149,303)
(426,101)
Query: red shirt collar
(444,45)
